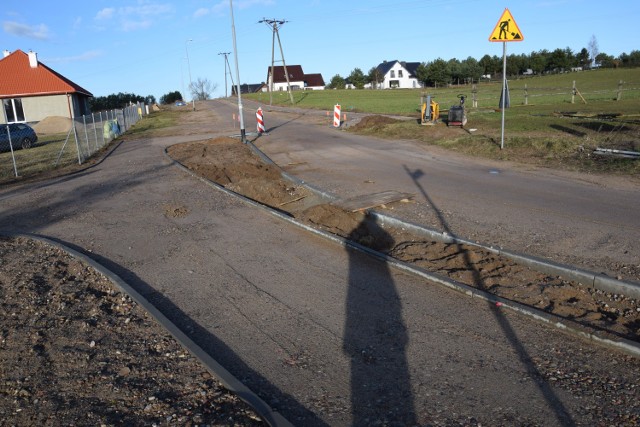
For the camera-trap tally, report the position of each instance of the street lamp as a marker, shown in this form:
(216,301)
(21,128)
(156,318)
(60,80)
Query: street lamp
(186,48)
(243,134)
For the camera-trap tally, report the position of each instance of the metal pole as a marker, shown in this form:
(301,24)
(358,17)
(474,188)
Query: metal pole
(13,157)
(243,136)
(273,46)
(95,132)
(186,48)
(504,90)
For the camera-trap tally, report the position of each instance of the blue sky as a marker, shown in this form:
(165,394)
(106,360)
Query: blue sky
(141,46)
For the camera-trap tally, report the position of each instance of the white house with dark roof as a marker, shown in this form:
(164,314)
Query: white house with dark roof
(297,79)
(398,75)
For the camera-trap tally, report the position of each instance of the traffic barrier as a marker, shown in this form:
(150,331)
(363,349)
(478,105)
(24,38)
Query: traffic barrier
(336,116)
(260,120)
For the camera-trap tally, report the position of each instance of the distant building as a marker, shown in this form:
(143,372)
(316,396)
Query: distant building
(398,74)
(31,91)
(298,80)
(248,88)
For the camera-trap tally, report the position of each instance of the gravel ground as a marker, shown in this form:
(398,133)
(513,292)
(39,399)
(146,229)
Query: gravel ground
(74,350)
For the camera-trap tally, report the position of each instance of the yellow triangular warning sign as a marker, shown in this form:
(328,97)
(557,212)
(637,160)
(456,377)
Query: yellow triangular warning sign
(506,29)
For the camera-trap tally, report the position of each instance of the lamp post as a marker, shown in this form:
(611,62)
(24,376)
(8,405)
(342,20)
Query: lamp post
(243,134)
(186,48)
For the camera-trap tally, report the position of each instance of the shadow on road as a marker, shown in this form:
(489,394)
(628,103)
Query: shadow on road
(282,402)
(375,339)
(554,402)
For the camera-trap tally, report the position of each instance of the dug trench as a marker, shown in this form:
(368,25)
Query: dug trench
(236,167)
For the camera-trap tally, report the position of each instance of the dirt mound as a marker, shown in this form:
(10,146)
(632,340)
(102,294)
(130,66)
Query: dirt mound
(53,124)
(374,122)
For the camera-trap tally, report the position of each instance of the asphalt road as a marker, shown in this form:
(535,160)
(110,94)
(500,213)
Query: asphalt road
(577,219)
(325,335)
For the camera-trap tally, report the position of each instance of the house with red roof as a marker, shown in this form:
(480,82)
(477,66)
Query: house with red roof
(31,91)
(298,80)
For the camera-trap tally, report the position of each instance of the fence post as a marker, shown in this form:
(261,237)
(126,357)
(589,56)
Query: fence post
(95,132)
(102,128)
(474,92)
(619,96)
(86,135)
(573,93)
(526,95)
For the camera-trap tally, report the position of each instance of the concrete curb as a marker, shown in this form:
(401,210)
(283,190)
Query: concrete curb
(587,278)
(230,382)
(573,328)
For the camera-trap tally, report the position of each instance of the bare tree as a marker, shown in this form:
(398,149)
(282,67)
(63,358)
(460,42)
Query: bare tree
(593,49)
(201,89)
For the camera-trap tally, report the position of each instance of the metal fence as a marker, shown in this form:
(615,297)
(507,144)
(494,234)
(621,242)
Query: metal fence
(86,136)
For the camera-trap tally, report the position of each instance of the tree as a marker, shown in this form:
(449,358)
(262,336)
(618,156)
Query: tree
(422,73)
(471,69)
(336,82)
(558,60)
(605,61)
(357,78)
(118,100)
(438,72)
(375,77)
(592,47)
(201,89)
(171,97)
(583,58)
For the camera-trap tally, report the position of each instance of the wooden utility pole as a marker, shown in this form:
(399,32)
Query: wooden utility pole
(275,24)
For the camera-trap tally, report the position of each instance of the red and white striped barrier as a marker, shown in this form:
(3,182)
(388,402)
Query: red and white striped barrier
(336,116)
(260,119)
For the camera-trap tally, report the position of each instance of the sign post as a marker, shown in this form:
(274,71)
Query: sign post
(506,30)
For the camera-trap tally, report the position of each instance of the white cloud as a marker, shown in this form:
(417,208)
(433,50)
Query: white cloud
(201,12)
(106,13)
(140,16)
(39,32)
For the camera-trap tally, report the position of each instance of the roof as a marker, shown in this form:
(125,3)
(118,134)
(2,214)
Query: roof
(19,79)
(295,73)
(411,67)
(314,80)
(248,88)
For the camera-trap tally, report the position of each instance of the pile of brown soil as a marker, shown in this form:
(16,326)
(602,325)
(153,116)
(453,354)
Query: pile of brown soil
(53,125)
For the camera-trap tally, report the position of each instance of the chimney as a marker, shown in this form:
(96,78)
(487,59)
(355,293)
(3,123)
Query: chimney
(33,59)
(6,53)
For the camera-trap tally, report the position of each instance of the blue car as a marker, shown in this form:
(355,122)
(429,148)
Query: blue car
(22,136)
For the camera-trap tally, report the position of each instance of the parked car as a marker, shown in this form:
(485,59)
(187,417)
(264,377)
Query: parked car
(22,136)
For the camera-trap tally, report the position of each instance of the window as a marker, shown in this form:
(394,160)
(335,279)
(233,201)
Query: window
(399,74)
(13,110)
(393,74)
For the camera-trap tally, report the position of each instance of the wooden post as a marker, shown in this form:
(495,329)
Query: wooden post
(619,96)
(573,93)
(474,91)
(526,95)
